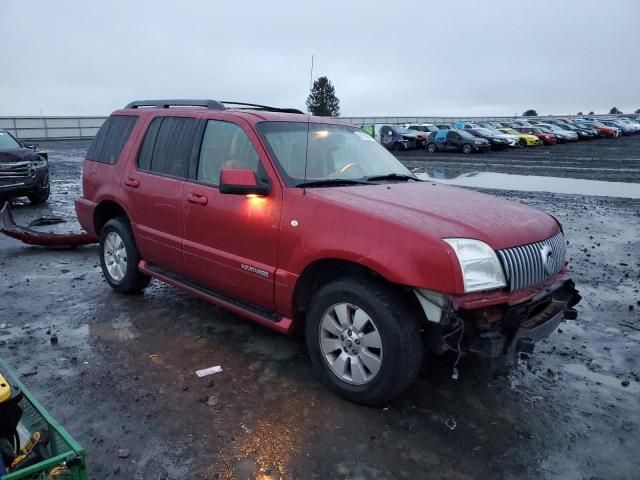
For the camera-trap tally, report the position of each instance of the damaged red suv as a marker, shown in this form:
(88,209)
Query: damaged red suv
(306,223)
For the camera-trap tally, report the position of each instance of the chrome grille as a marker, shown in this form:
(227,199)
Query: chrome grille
(16,170)
(524,266)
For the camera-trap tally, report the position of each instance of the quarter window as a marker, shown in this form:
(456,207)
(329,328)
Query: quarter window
(225,145)
(108,142)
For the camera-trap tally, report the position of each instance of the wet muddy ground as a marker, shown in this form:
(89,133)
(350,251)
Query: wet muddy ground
(121,375)
(611,159)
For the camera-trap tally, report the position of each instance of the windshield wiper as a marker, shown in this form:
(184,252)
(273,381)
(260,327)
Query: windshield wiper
(392,176)
(332,182)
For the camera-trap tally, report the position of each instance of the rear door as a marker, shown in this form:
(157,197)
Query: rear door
(153,188)
(453,141)
(230,241)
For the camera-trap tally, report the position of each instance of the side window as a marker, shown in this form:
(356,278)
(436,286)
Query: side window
(108,142)
(168,145)
(454,136)
(225,145)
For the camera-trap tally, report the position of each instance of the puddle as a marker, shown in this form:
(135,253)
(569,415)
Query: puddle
(610,381)
(535,183)
(121,330)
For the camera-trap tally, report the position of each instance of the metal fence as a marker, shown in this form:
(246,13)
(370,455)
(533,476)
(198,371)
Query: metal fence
(51,128)
(64,128)
(397,120)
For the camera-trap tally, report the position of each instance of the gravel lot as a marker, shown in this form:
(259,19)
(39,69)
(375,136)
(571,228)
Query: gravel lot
(122,374)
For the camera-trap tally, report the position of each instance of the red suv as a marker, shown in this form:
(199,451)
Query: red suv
(306,223)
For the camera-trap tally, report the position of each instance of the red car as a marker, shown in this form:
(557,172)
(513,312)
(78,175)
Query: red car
(305,223)
(547,138)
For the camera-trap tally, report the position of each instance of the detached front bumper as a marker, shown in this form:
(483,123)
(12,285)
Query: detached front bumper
(510,329)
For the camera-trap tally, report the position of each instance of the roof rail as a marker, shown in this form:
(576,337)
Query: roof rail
(253,106)
(210,104)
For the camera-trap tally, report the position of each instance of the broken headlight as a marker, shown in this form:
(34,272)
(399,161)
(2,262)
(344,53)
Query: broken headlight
(481,269)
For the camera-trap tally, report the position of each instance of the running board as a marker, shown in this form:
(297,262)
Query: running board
(260,315)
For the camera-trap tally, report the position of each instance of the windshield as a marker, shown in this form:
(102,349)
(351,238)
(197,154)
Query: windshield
(335,152)
(485,131)
(464,134)
(7,141)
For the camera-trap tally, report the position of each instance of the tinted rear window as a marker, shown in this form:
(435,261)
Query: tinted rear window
(168,146)
(108,142)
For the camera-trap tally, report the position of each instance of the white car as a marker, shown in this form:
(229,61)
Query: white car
(422,127)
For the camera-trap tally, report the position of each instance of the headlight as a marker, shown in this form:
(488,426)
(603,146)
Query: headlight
(481,269)
(40,163)
(479,142)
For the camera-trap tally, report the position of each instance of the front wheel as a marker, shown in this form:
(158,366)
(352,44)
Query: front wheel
(522,142)
(40,196)
(364,340)
(431,148)
(119,257)
(466,148)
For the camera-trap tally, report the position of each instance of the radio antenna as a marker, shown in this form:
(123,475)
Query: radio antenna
(306,150)
(306,157)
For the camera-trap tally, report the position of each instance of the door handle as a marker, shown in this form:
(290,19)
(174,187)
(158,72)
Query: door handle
(132,182)
(197,198)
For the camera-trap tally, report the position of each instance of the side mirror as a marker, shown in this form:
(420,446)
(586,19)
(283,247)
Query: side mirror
(241,182)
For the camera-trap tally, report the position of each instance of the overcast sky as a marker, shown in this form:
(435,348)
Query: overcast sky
(484,57)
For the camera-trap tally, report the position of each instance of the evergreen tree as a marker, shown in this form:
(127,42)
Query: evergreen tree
(322,100)
(614,111)
(530,113)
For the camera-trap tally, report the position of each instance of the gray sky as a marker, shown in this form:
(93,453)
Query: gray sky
(485,57)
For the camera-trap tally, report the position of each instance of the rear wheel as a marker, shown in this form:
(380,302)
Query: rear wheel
(119,257)
(364,341)
(467,148)
(431,148)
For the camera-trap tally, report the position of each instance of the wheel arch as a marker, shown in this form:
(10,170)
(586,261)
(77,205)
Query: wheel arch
(324,271)
(105,211)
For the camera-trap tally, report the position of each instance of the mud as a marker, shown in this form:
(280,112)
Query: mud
(122,375)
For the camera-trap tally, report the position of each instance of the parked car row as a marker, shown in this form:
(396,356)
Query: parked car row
(468,137)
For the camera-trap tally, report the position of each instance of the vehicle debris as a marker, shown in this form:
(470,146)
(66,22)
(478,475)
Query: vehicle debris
(208,371)
(29,236)
(45,221)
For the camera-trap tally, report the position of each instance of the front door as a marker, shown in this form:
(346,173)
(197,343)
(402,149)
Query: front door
(230,241)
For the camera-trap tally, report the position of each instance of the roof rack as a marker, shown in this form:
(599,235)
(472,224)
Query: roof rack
(253,106)
(209,104)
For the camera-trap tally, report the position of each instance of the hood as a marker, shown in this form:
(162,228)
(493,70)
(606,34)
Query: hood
(440,211)
(12,155)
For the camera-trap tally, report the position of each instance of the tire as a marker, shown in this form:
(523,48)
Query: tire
(119,257)
(397,147)
(431,148)
(40,196)
(386,313)
(467,148)
(522,142)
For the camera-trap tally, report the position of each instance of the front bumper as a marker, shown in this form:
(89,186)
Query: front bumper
(17,186)
(510,329)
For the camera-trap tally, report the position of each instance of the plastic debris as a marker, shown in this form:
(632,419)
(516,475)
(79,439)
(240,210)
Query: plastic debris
(208,371)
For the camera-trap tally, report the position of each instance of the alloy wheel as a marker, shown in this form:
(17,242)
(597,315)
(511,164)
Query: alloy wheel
(350,343)
(115,256)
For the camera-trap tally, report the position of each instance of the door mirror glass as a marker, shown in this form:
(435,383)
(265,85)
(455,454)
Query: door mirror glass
(241,181)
